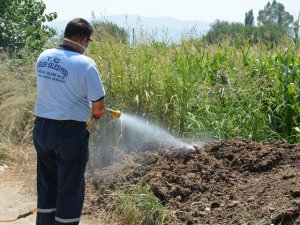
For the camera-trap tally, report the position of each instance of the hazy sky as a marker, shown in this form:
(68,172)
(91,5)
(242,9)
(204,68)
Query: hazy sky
(201,10)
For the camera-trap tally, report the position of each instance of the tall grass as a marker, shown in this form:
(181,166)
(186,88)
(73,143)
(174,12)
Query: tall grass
(222,91)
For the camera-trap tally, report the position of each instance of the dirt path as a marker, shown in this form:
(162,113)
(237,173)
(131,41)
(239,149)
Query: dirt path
(17,196)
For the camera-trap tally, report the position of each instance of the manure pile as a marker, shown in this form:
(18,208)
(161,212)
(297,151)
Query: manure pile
(228,182)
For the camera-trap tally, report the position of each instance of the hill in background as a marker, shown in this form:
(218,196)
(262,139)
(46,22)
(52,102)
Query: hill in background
(160,28)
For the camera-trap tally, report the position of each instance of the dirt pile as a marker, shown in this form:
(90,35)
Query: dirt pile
(229,182)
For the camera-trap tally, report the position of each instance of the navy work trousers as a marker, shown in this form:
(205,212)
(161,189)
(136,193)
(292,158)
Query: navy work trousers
(62,154)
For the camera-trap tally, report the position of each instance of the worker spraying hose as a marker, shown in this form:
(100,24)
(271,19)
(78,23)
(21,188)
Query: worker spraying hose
(68,84)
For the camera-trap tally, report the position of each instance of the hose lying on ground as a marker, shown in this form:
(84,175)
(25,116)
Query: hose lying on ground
(19,217)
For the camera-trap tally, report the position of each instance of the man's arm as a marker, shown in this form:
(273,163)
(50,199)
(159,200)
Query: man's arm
(98,108)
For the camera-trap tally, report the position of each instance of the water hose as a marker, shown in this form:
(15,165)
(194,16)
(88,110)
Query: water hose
(19,217)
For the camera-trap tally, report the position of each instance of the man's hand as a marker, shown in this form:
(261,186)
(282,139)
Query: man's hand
(98,109)
(99,115)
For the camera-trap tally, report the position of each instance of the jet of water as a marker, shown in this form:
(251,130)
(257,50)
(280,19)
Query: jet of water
(137,127)
(130,133)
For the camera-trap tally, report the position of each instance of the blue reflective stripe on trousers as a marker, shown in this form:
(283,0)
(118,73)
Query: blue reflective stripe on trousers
(62,154)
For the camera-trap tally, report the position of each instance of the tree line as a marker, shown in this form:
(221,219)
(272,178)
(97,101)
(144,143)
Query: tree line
(22,26)
(274,24)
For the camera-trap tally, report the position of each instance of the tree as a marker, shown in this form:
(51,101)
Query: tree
(275,14)
(22,24)
(221,31)
(296,27)
(108,30)
(249,18)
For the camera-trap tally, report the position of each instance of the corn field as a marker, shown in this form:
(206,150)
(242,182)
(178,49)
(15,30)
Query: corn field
(194,89)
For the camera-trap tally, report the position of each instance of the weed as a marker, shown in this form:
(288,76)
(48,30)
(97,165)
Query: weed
(138,205)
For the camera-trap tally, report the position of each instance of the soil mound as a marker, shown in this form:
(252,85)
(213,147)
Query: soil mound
(228,182)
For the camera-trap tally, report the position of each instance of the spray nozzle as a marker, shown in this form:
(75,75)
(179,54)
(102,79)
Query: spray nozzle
(116,114)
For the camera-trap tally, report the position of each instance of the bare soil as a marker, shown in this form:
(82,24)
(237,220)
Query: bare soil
(228,182)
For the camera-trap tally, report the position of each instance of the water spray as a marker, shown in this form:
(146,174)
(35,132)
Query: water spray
(140,130)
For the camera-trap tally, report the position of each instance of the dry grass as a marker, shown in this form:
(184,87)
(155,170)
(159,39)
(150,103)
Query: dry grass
(17,96)
(21,162)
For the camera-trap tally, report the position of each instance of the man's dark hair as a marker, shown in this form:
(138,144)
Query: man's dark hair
(78,28)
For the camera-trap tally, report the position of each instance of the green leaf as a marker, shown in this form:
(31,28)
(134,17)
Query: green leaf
(292,89)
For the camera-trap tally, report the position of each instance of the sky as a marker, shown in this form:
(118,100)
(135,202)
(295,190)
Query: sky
(192,10)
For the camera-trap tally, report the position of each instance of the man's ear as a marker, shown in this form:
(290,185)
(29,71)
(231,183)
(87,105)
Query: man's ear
(83,40)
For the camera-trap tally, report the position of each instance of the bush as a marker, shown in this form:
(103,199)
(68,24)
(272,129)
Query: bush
(22,25)
(137,205)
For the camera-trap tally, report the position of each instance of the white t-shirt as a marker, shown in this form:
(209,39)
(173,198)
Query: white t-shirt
(67,82)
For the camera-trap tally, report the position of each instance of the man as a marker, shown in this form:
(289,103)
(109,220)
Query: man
(69,90)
